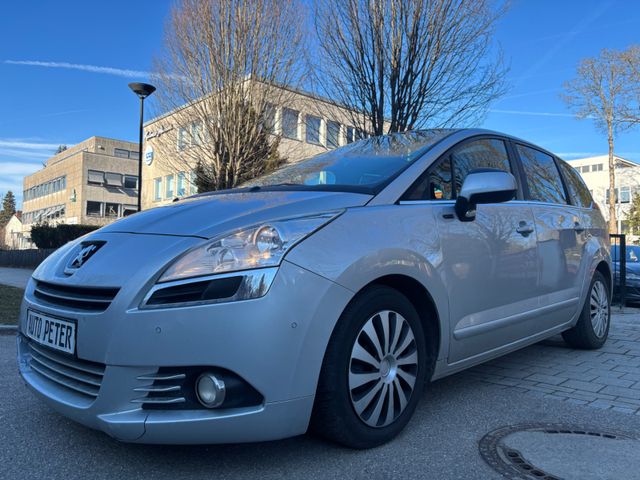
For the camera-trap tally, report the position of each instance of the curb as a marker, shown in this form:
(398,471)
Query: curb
(8,329)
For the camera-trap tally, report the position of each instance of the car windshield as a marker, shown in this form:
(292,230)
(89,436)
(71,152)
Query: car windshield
(363,166)
(633,254)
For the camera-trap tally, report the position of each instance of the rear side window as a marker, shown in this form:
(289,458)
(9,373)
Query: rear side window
(577,189)
(437,183)
(542,175)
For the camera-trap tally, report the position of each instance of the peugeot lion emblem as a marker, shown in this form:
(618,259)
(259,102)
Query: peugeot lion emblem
(86,251)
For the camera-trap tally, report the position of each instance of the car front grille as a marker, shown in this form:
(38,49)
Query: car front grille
(79,377)
(94,299)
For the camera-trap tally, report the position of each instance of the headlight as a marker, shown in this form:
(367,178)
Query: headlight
(263,245)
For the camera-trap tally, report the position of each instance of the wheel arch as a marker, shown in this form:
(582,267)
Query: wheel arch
(605,270)
(424,304)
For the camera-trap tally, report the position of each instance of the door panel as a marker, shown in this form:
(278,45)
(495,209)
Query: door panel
(560,236)
(490,271)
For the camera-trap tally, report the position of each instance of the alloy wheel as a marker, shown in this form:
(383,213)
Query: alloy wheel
(599,305)
(383,368)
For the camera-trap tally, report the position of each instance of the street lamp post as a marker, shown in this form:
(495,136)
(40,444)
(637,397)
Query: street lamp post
(142,90)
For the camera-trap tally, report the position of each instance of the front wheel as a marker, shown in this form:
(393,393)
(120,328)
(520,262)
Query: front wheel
(373,372)
(592,329)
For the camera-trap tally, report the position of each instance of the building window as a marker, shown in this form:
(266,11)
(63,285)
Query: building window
(129,210)
(157,188)
(290,123)
(95,177)
(182,184)
(196,133)
(130,181)
(333,134)
(44,214)
(596,168)
(94,209)
(193,188)
(585,169)
(625,195)
(113,179)
(606,196)
(134,155)
(313,129)
(52,186)
(112,210)
(351,134)
(182,138)
(168,187)
(120,152)
(269,118)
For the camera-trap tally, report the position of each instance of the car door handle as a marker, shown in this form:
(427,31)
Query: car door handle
(524,229)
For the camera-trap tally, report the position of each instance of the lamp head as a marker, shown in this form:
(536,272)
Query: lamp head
(143,90)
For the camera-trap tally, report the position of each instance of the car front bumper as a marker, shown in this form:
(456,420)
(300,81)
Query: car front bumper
(275,344)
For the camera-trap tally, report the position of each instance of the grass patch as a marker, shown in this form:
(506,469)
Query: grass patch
(10,299)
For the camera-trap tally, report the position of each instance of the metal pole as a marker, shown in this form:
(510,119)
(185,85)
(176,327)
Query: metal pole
(140,155)
(623,270)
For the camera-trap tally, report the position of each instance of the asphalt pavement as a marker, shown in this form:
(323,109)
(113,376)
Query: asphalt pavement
(441,441)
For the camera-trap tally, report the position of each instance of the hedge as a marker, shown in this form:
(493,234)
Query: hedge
(49,236)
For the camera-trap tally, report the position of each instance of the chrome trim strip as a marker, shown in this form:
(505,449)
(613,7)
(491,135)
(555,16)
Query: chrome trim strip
(79,299)
(159,400)
(474,330)
(159,376)
(158,389)
(255,284)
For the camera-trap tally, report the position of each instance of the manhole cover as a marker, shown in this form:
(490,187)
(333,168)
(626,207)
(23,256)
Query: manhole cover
(561,452)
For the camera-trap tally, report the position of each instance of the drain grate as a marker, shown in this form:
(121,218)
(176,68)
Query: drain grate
(512,464)
(516,458)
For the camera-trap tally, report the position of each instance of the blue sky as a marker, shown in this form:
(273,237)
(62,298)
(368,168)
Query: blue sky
(65,65)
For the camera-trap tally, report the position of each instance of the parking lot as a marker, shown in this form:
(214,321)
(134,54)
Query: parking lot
(544,383)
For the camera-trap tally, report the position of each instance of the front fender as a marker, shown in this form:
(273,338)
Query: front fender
(368,243)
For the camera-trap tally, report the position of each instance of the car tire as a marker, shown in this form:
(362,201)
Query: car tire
(345,409)
(592,329)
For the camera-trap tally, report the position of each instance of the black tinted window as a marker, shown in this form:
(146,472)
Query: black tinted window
(577,189)
(486,153)
(542,176)
(437,183)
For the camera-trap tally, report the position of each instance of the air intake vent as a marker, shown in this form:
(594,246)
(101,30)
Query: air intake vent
(79,377)
(83,298)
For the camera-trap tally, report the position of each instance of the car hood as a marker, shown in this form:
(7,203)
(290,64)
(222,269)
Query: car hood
(211,215)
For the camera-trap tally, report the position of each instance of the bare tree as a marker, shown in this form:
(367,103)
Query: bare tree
(601,92)
(417,63)
(631,62)
(218,75)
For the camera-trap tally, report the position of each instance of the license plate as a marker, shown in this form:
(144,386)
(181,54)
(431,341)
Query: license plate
(53,332)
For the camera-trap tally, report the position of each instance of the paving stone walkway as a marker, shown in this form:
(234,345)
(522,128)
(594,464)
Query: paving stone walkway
(15,277)
(608,378)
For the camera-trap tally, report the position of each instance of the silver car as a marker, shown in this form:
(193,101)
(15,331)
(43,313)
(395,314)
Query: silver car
(325,295)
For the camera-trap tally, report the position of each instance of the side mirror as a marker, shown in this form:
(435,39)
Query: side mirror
(486,185)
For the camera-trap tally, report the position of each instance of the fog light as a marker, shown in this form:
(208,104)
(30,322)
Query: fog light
(210,390)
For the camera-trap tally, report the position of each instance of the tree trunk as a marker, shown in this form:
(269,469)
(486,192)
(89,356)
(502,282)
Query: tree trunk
(613,220)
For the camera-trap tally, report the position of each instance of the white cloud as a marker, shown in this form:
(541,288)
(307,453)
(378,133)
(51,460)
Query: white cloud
(18,169)
(11,143)
(525,112)
(121,72)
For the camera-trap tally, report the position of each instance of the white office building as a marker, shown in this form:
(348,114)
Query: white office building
(595,172)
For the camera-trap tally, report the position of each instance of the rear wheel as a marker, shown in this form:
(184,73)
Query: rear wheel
(592,329)
(374,371)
